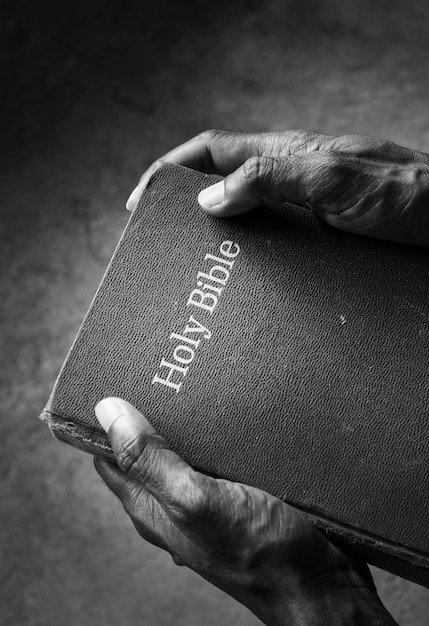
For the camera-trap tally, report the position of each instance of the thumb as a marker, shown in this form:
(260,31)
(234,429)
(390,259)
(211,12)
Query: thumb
(269,181)
(141,453)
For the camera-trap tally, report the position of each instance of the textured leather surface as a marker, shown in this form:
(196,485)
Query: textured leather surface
(314,383)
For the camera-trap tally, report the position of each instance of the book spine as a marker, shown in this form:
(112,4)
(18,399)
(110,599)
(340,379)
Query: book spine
(78,435)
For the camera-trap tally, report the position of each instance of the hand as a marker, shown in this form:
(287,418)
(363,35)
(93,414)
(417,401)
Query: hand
(364,185)
(249,544)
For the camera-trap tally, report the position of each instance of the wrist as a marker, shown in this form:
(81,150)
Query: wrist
(337,609)
(354,608)
(347,598)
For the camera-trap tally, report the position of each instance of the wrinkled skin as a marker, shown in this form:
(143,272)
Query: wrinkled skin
(248,543)
(364,185)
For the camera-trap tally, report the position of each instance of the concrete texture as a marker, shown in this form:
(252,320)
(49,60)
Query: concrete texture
(92,92)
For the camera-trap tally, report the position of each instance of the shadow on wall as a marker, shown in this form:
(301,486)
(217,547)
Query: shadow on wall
(91,94)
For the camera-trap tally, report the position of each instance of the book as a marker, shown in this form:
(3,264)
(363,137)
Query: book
(269,349)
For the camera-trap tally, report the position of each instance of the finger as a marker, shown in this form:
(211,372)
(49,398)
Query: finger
(219,151)
(212,151)
(144,510)
(222,151)
(146,458)
(137,192)
(306,180)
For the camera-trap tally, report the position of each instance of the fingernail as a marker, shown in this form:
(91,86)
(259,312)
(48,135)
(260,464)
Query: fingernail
(212,196)
(137,192)
(108,410)
(134,197)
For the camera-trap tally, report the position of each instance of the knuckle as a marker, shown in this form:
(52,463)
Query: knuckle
(208,136)
(148,464)
(372,148)
(299,133)
(138,456)
(326,161)
(304,141)
(326,173)
(359,144)
(251,168)
(211,139)
(257,170)
(128,454)
(339,173)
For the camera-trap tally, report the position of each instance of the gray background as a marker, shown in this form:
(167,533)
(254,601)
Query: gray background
(91,93)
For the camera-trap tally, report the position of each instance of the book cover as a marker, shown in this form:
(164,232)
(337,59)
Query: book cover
(273,350)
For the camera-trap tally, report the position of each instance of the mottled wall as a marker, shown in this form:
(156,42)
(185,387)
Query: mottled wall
(91,93)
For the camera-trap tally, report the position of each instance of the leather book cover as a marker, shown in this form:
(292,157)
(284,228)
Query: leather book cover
(273,350)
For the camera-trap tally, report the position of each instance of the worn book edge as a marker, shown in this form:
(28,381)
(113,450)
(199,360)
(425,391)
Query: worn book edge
(374,550)
(381,553)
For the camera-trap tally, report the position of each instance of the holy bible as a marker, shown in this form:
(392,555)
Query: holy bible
(273,350)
